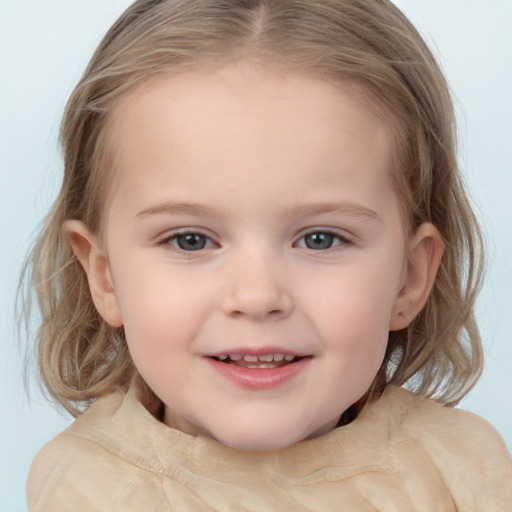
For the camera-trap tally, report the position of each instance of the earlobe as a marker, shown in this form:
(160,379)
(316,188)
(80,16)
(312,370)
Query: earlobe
(91,255)
(425,251)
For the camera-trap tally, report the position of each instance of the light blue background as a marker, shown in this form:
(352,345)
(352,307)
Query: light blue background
(44,47)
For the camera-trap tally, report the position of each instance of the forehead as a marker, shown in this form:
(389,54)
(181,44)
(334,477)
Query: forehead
(241,124)
(248,84)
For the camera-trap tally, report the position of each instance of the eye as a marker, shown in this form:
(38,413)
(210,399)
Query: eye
(189,241)
(321,240)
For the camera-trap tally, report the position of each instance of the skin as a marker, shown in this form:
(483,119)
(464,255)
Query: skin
(253,162)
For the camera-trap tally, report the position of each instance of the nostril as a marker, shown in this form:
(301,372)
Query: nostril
(256,302)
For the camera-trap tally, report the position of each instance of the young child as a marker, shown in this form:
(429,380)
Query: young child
(261,236)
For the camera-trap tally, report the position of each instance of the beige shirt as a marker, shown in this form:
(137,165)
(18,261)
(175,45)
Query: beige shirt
(402,454)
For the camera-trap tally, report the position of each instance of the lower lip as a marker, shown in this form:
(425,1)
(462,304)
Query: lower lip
(259,378)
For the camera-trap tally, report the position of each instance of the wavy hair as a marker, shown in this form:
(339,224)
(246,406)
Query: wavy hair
(367,42)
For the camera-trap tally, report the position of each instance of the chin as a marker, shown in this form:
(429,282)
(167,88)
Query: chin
(268,435)
(260,441)
(257,444)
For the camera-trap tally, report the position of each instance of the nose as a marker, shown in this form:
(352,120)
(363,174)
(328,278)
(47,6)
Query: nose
(257,289)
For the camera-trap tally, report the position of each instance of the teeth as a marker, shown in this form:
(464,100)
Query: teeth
(265,358)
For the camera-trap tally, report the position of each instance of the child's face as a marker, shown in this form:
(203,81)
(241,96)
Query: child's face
(253,214)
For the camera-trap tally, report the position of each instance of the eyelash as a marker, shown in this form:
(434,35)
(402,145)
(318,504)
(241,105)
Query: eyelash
(167,241)
(332,236)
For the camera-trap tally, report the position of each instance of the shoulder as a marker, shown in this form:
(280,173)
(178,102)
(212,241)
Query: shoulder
(59,471)
(436,425)
(85,468)
(467,452)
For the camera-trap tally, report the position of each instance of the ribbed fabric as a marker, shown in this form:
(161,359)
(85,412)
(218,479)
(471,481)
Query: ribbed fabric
(402,454)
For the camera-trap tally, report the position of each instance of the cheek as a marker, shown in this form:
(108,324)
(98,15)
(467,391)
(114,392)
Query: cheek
(352,315)
(163,311)
(158,333)
(357,296)
(155,314)
(354,333)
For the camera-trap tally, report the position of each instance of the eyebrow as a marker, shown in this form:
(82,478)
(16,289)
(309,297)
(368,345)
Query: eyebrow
(300,210)
(179,209)
(343,208)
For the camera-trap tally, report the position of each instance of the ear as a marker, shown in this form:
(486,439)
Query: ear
(425,251)
(92,257)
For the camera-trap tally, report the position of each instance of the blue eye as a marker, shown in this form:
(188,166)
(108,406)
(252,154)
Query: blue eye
(189,241)
(320,240)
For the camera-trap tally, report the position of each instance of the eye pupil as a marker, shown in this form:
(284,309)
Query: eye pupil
(191,242)
(319,240)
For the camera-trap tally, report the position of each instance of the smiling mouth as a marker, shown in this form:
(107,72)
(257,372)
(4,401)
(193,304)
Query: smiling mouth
(260,361)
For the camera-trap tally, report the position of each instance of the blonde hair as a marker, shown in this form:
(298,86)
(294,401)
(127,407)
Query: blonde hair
(366,42)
